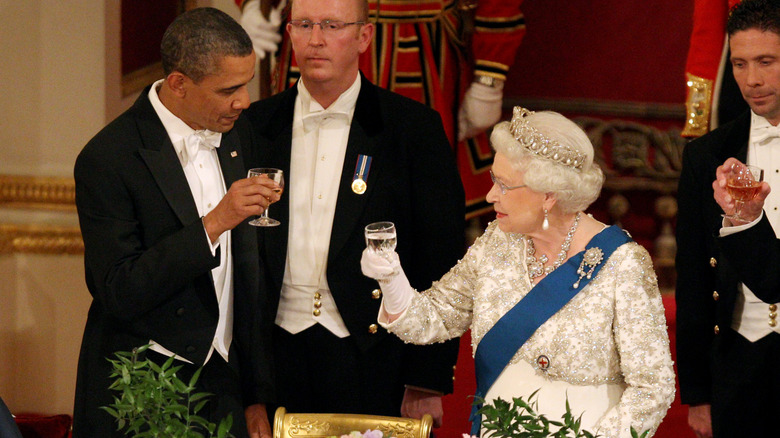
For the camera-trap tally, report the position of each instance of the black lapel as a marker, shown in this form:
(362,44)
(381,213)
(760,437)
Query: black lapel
(273,134)
(365,138)
(161,159)
(230,159)
(736,144)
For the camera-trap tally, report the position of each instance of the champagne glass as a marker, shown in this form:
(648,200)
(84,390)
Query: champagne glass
(275,175)
(743,184)
(381,238)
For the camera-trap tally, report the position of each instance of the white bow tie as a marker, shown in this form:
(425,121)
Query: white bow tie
(313,120)
(765,133)
(203,138)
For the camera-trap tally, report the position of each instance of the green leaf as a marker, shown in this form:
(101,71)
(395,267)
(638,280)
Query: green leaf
(195,377)
(199,406)
(224,427)
(199,395)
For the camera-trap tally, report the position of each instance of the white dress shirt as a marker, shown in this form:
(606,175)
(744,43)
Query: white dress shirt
(204,176)
(318,150)
(753,318)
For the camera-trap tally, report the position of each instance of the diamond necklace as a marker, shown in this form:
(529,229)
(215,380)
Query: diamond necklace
(536,268)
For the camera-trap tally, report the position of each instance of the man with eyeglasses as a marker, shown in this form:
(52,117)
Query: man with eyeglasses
(355,154)
(451,55)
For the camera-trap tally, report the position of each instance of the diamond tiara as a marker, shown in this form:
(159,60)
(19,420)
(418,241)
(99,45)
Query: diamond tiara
(539,144)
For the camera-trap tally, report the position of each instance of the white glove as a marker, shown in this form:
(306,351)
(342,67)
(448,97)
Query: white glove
(481,109)
(264,32)
(386,269)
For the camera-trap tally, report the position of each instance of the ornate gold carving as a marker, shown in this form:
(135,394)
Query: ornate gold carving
(38,192)
(40,239)
(314,425)
(698,106)
(634,156)
(303,427)
(293,425)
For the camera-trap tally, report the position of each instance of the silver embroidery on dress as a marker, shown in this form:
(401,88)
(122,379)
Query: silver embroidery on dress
(621,303)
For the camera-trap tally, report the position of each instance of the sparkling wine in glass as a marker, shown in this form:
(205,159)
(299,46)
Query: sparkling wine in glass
(743,184)
(275,175)
(381,237)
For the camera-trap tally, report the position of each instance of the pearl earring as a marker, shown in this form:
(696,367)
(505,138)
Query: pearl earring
(545,222)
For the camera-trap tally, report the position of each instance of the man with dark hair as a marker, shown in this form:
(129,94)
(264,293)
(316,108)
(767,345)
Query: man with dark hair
(170,260)
(728,339)
(355,154)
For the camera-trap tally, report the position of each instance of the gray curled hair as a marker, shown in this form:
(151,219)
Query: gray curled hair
(197,39)
(575,189)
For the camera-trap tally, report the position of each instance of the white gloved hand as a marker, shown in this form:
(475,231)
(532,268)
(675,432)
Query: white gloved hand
(386,269)
(481,109)
(264,32)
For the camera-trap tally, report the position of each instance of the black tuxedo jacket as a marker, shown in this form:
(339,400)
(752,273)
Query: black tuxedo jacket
(413,182)
(706,280)
(759,268)
(148,263)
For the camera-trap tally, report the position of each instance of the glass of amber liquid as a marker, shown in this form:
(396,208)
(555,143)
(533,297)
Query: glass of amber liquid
(276,175)
(743,184)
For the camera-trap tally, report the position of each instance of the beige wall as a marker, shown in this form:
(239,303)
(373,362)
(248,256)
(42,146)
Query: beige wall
(59,84)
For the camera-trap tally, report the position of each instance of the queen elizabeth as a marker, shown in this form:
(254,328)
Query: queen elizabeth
(556,301)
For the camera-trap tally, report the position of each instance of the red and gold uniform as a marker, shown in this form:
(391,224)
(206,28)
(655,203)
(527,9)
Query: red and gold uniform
(420,50)
(703,67)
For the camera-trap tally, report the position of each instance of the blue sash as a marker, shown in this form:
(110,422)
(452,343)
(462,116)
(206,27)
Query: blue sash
(502,341)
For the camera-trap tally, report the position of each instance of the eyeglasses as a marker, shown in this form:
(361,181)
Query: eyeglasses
(327,26)
(503,186)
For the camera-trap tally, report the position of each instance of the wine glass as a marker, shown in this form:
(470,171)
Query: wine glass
(381,238)
(743,184)
(276,175)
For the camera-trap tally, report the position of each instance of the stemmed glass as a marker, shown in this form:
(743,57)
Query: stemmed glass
(276,175)
(743,184)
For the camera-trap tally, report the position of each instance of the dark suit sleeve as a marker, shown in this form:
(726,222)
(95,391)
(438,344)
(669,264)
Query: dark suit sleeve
(132,269)
(438,209)
(695,280)
(755,255)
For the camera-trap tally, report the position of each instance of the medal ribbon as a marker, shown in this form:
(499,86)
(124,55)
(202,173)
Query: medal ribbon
(362,168)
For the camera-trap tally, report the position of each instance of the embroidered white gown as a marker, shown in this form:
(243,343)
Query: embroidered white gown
(607,350)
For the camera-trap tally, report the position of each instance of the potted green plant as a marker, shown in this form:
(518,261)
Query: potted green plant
(520,419)
(153,402)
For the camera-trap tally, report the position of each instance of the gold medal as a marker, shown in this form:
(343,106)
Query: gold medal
(359,186)
(361,174)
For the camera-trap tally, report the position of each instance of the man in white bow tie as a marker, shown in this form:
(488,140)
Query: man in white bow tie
(170,260)
(355,154)
(728,336)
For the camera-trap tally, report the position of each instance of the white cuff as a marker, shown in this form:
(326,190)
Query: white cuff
(212,246)
(732,229)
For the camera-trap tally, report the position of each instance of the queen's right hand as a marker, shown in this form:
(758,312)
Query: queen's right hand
(385,267)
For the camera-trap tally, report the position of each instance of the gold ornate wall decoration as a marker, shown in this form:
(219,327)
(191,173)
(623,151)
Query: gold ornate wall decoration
(54,194)
(40,239)
(50,193)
